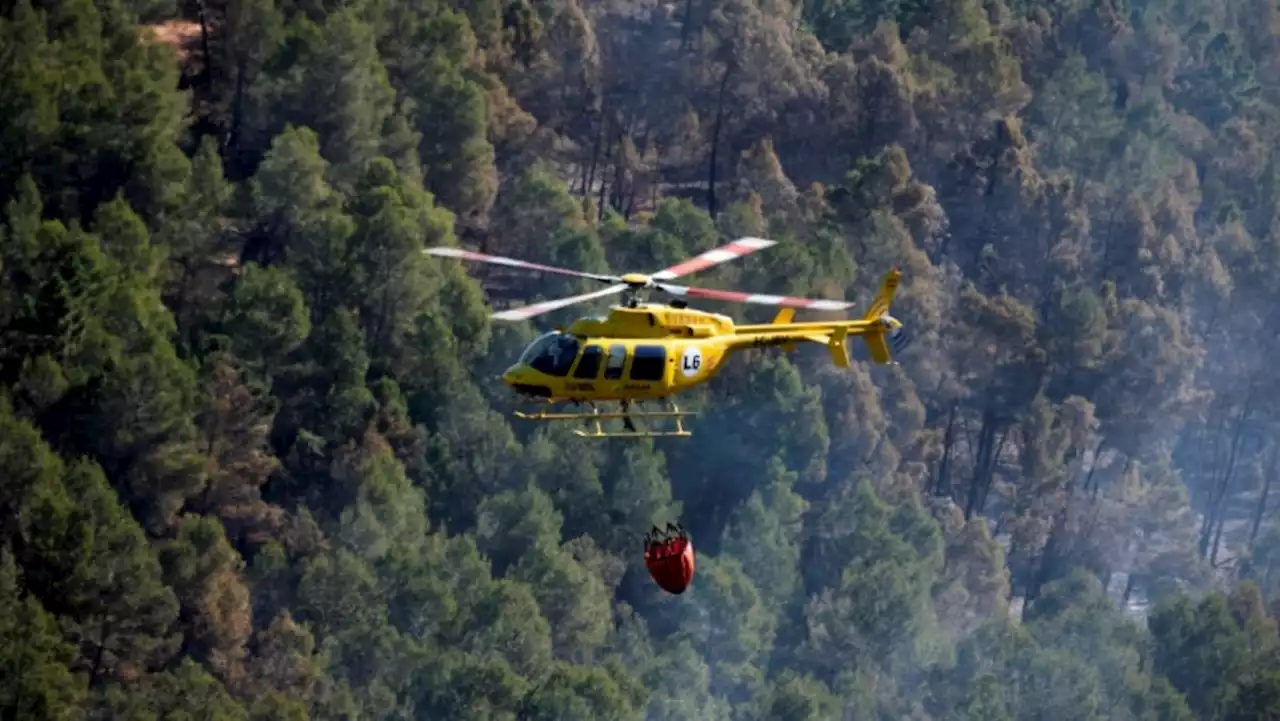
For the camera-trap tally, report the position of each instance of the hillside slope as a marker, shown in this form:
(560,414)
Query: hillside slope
(255,462)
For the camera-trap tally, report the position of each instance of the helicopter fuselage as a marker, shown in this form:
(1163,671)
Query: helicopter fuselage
(647,351)
(642,352)
(651,351)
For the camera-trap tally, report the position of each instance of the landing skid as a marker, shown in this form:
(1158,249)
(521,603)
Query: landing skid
(595,426)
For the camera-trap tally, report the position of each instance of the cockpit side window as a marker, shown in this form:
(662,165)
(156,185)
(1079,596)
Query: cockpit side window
(537,347)
(589,366)
(556,357)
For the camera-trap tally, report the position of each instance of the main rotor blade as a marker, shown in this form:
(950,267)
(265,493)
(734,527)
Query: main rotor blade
(513,263)
(740,297)
(530,311)
(715,256)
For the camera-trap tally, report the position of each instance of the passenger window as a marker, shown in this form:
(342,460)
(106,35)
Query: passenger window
(617,359)
(589,365)
(649,363)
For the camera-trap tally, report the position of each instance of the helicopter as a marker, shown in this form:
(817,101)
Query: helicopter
(644,352)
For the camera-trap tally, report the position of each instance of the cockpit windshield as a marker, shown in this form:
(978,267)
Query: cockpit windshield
(552,353)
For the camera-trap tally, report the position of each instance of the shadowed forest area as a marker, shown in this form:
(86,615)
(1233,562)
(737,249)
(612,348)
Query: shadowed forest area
(256,463)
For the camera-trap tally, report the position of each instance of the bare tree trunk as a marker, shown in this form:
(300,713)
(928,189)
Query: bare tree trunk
(685,24)
(986,450)
(715,142)
(1091,486)
(942,481)
(1237,434)
(604,189)
(180,303)
(1207,488)
(1036,579)
(201,11)
(1261,510)
(989,475)
(595,153)
(237,115)
(620,181)
(1217,541)
(1015,547)
(95,670)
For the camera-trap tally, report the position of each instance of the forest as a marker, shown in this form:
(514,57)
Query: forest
(256,463)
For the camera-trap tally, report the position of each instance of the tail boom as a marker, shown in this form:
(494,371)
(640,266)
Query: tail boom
(877,328)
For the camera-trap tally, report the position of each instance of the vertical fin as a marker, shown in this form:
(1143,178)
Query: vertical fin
(875,338)
(880,305)
(784,316)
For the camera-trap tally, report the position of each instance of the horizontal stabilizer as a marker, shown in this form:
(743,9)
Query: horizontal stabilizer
(839,354)
(878,348)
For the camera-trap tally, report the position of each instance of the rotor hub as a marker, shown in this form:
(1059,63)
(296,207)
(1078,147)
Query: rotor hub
(636,280)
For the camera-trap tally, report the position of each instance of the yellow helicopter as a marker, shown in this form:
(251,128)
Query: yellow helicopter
(651,352)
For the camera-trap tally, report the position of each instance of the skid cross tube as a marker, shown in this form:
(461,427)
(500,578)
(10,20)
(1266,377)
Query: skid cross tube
(595,427)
